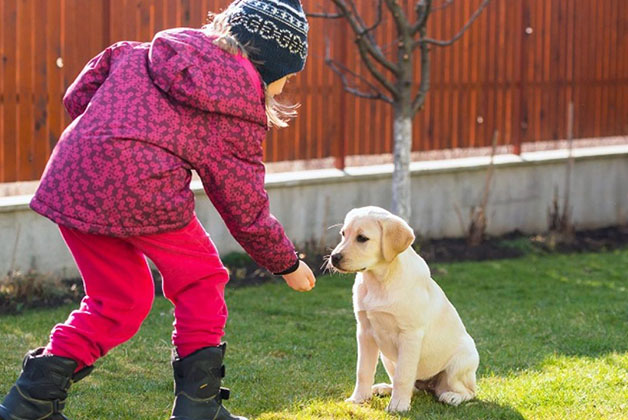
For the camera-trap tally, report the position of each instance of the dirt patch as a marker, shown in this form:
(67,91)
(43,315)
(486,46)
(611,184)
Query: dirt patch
(517,245)
(588,241)
(450,250)
(244,272)
(19,291)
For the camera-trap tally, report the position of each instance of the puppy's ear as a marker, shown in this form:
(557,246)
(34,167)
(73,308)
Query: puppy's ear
(397,236)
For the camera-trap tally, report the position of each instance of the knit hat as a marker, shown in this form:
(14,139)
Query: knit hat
(274,32)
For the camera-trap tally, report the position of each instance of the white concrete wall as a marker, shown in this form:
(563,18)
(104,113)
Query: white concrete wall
(308,202)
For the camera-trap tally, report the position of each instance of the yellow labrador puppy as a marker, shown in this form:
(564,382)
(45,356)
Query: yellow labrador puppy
(402,315)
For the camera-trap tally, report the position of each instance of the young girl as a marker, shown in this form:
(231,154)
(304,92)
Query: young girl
(117,184)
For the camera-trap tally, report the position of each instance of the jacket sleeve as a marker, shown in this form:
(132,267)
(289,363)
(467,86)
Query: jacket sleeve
(81,91)
(234,182)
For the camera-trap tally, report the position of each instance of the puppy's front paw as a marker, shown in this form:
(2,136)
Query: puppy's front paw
(359,397)
(382,389)
(452,398)
(398,404)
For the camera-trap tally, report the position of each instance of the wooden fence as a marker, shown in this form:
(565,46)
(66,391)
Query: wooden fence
(515,70)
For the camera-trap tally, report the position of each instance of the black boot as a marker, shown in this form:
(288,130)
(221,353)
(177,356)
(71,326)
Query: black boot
(41,389)
(198,395)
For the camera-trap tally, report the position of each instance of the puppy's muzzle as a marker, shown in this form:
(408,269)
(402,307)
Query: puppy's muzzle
(335,259)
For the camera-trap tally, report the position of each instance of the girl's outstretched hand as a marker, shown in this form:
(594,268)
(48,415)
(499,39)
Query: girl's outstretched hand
(301,280)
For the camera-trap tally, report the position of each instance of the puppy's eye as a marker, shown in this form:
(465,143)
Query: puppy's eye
(342,233)
(361,238)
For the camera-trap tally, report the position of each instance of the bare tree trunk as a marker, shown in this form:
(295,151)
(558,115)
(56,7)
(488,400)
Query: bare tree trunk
(394,79)
(402,135)
(403,111)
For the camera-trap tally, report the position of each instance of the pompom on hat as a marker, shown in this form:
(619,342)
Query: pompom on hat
(274,32)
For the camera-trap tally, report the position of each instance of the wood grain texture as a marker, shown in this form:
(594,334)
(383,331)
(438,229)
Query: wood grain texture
(495,77)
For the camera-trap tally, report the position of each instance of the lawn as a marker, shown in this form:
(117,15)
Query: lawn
(551,331)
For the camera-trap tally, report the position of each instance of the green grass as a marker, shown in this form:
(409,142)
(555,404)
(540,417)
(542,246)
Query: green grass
(551,332)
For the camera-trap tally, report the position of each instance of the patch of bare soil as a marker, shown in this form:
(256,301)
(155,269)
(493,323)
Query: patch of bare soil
(19,291)
(245,272)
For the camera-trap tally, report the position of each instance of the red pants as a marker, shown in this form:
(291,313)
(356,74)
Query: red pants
(119,291)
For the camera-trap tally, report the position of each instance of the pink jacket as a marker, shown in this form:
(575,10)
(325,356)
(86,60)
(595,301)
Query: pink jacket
(144,116)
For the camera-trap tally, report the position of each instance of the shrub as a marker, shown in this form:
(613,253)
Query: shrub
(20,290)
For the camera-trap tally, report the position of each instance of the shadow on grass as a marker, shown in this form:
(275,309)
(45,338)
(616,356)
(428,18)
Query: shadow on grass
(423,407)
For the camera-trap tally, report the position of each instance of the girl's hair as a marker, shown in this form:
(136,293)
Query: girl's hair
(278,114)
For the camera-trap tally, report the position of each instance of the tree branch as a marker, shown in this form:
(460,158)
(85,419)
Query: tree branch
(444,43)
(362,37)
(424,85)
(325,15)
(443,5)
(367,29)
(423,9)
(403,26)
(376,73)
(378,19)
(341,70)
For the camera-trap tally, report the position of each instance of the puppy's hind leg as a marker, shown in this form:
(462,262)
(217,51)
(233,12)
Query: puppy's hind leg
(384,389)
(457,383)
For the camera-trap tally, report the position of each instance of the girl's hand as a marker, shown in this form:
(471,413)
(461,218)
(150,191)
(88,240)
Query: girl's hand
(301,280)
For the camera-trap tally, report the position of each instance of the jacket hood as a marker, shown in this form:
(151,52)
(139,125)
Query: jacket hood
(188,67)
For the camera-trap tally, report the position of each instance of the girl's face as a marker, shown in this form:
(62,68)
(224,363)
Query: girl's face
(276,87)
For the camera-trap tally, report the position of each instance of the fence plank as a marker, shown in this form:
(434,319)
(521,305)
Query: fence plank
(621,72)
(25,87)
(3,49)
(40,138)
(517,83)
(10,136)
(2,64)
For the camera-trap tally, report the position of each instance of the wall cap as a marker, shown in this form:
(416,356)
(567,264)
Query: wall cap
(321,176)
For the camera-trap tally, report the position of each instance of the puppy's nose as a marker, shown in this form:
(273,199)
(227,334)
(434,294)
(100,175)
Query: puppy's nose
(336,258)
